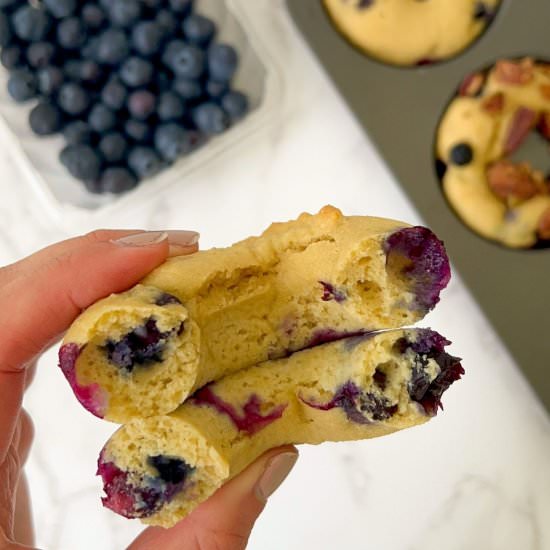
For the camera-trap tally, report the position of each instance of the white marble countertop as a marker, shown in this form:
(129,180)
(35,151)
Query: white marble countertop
(476,477)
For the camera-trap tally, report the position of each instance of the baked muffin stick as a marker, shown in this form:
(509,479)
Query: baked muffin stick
(158,469)
(197,318)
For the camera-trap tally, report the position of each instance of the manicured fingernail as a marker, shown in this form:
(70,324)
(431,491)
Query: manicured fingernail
(274,474)
(147,238)
(182,238)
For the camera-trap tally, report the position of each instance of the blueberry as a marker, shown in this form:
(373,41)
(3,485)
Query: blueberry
(5,31)
(30,23)
(91,48)
(141,104)
(40,54)
(210,118)
(82,71)
(461,154)
(144,162)
(185,60)
(167,22)
(188,89)
(7,4)
(136,72)
(215,89)
(77,132)
(171,469)
(114,94)
(172,141)
(73,99)
(198,30)
(124,13)
(170,106)
(117,180)
(113,146)
(147,38)
(222,62)
(101,118)
(235,104)
(137,130)
(49,80)
(92,15)
(113,47)
(60,8)
(45,119)
(181,6)
(71,33)
(81,161)
(11,57)
(21,85)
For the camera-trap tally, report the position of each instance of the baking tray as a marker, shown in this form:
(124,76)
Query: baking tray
(400,109)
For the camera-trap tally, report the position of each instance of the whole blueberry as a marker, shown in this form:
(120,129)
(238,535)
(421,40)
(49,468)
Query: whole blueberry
(60,8)
(91,48)
(124,13)
(182,7)
(92,15)
(461,154)
(84,70)
(215,89)
(170,106)
(113,146)
(144,162)
(172,141)
(222,62)
(40,54)
(167,22)
(147,38)
(188,89)
(71,33)
(30,23)
(22,85)
(235,104)
(136,71)
(141,104)
(112,47)
(114,94)
(198,30)
(81,161)
(45,119)
(101,118)
(49,79)
(117,180)
(77,132)
(210,118)
(11,56)
(137,130)
(5,30)
(73,99)
(185,60)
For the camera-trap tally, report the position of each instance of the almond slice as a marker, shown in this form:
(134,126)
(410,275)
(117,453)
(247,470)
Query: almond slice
(494,103)
(508,180)
(522,122)
(471,85)
(513,72)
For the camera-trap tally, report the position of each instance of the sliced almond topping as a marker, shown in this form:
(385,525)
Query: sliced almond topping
(543,228)
(522,122)
(508,180)
(494,103)
(514,72)
(471,85)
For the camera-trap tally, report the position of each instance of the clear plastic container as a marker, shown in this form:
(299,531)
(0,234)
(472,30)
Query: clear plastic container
(67,200)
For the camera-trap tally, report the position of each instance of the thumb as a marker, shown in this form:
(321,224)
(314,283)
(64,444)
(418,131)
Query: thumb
(225,520)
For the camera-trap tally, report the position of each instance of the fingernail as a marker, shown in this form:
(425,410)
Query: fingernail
(183,238)
(147,238)
(275,473)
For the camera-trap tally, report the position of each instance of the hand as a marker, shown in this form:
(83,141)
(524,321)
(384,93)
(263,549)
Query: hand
(40,297)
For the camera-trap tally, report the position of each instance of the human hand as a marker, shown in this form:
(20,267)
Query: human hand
(40,297)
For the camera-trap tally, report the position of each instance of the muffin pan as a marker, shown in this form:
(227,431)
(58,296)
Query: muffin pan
(400,108)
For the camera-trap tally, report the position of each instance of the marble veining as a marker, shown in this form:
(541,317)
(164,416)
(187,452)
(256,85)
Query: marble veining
(476,477)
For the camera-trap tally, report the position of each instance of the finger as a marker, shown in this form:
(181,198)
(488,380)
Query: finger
(26,436)
(39,304)
(23,530)
(226,519)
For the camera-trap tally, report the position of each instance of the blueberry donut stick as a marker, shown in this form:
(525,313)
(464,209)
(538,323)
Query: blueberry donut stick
(158,469)
(200,317)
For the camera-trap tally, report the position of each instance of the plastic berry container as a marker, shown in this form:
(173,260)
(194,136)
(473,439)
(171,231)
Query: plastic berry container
(66,199)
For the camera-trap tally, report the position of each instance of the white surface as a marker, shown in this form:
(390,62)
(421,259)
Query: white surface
(476,477)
